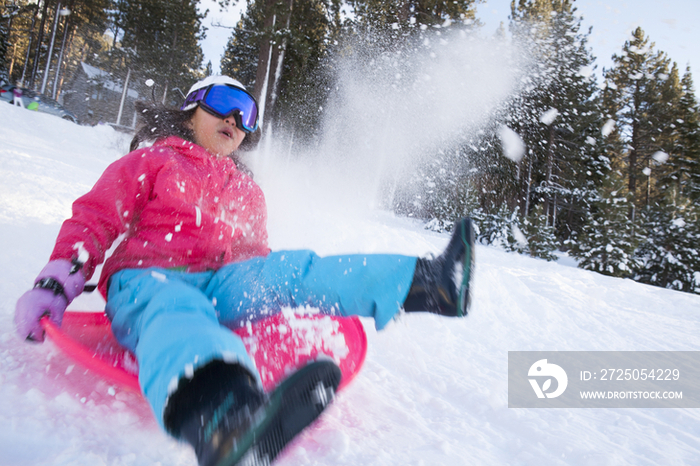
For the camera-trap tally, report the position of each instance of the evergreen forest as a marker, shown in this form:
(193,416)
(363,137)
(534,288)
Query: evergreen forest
(603,166)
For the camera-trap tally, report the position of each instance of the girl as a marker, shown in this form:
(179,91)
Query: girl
(193,259)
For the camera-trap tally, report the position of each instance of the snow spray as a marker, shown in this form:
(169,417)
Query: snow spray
(388,112)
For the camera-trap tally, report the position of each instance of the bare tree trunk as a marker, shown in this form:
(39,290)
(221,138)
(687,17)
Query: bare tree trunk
(125,91)
(49,57)
(550,165)
(278,61)
(633,155)
(59,65)
(12,62)
(529,183)
(37,54)
(165,92)
(271,56)
(29,45)
(631,173)
(69,46)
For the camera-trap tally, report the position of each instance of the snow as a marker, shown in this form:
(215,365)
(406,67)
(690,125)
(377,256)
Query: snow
(608,127)
(433,390)
(586,71)
(660,157)
(549,116)
(513,145)
(678,222)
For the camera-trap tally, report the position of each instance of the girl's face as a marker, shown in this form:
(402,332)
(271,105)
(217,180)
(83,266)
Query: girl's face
(218,136)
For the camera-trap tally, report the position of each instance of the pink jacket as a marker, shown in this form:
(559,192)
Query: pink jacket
(171,205)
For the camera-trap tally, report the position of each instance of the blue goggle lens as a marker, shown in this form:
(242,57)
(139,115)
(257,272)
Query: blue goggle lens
(225,101)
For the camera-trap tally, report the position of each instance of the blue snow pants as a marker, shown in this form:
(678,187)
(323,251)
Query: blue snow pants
(175,322)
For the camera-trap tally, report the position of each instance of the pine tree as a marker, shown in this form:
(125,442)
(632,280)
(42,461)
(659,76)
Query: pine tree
(409,15)
(557,115)
(656,144)
(83,30)
(682,175)
(240,56)
(305,83)
(15,20)
(669,256)
(500,228)
(641,90)
(161,42)
(494,180)
(606,243)
(278,49)
(541,240)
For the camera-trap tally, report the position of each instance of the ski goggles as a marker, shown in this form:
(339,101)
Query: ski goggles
(223,101)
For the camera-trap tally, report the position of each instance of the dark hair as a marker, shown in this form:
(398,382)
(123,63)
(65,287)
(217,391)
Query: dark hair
(157,121)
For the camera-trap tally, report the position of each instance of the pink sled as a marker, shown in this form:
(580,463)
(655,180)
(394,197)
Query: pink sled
(279,345)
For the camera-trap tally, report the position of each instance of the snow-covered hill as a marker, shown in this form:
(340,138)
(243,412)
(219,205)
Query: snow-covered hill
(433,390)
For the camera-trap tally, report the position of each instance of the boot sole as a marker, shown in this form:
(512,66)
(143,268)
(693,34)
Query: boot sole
(464,289)
(295,404)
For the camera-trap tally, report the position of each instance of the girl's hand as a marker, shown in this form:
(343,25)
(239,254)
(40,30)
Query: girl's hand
(55,287)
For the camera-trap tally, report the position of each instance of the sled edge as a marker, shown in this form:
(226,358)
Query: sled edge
(85,357)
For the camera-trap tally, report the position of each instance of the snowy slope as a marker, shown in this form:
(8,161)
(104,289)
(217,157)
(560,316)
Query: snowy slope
(433,390)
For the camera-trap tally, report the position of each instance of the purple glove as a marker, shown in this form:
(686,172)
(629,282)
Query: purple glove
(54,289)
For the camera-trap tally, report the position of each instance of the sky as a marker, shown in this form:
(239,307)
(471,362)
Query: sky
(670,24)
(219,27)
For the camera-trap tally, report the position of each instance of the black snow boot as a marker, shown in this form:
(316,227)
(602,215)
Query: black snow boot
(229,421)
(441,284)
